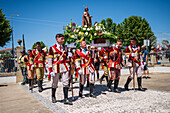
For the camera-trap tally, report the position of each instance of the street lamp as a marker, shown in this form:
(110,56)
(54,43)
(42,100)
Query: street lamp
(12,35)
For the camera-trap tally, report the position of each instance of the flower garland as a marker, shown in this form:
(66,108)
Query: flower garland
(75,34)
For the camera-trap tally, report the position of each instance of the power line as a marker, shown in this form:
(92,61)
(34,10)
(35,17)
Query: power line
(38,20)
(35,22)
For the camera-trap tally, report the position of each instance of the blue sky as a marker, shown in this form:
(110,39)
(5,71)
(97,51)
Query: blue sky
(41,20)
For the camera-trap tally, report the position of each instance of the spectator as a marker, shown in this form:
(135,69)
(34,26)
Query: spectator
(3,65)
(145,61)
(153,56)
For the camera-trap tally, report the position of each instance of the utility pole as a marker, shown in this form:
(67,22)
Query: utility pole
(12,36)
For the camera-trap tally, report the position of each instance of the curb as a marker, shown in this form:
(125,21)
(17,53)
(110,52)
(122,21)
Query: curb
(7,74)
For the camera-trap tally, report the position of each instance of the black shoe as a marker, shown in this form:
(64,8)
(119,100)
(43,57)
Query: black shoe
(109,85)
(144,77)
(92,95)
(116,91)
(41,82)
(54,100)
(91,91)
(148,77)
(39,89)
(22,83)
(126,88)
(81,90)
(127,84)
(80,94)
(30,88)
(66,101)
(139,79)
(141,89)
(39,86)
(109,89)
(53,95)
(30,83)
(116,82)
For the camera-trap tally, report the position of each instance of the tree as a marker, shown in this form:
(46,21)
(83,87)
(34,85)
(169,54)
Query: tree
(135,26)
(42,45)
(103,22)
(5,55)
(109,25)
(165,42)
(5,30)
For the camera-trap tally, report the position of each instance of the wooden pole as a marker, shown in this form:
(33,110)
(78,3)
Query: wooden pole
(23,42)
(133,75)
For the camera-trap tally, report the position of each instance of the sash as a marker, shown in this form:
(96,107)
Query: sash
(54,46)
(131,51)
(82,55)
(89,63)
(60,61)
(38,56)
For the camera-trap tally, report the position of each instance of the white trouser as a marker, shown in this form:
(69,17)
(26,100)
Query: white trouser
(65,79)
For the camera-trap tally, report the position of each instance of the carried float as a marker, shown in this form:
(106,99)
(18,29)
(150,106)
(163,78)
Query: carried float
(94,35)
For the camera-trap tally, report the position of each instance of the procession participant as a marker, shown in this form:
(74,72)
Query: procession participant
(133,54)
(58,60)
(103,56)
(72,66)
(145,56)
(96,62)
(75,70)
(30,73)
(87,77)
(23,66)
(115,66)
(83,60)
(91,50)
(37,61)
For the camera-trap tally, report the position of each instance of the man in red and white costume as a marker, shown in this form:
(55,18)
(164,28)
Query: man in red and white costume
(115,63)
(37,61)
(83,60)
(133,53)
(58,59)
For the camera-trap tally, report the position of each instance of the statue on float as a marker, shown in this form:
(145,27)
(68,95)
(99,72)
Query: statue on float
(87,18)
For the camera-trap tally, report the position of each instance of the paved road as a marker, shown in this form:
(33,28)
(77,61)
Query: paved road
(127,101)
(14,99)
(158,82)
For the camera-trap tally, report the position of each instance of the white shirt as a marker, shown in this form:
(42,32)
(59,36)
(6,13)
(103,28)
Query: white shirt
(58,47)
